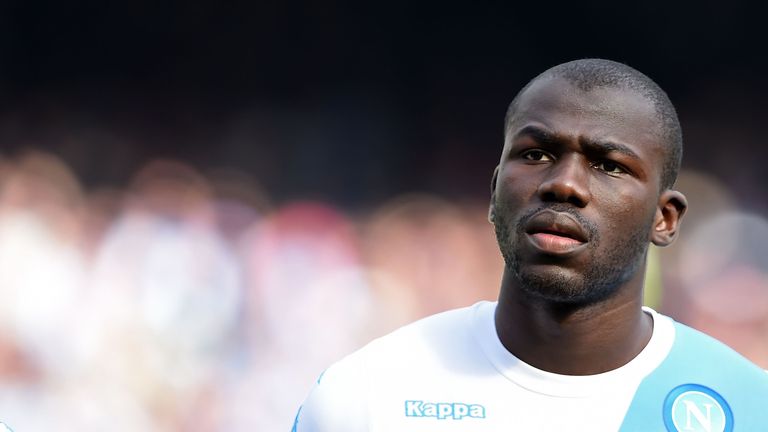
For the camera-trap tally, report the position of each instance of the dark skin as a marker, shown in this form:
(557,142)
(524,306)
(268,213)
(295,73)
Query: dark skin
(598,155)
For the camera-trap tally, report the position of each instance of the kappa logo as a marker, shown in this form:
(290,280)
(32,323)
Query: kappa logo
(441,411)
(695,408)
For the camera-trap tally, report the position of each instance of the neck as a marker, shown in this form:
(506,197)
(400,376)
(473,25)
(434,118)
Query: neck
(573,339)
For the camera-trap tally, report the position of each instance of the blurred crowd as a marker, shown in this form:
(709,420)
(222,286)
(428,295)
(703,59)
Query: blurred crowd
(190,301)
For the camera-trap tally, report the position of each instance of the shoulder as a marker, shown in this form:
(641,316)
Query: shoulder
(336,402)
(445,328)
(697,350)
(699,359)
(702,377)
(339,400)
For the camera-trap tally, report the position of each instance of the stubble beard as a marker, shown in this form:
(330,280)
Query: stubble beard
(609,269)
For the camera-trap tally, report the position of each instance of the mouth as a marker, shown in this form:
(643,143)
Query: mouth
(556,233)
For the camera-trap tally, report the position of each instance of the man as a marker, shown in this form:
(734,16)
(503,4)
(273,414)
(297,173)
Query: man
(591,152)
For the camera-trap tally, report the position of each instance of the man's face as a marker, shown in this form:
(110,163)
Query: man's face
(577,189)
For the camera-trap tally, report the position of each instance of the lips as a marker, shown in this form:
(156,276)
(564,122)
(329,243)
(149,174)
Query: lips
(555,233)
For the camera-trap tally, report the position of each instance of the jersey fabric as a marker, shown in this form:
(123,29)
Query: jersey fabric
(450,372)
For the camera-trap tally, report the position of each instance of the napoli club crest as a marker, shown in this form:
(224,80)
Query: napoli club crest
(696,408)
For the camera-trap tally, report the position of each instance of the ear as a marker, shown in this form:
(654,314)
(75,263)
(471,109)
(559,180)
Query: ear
(666,224)
(492,205)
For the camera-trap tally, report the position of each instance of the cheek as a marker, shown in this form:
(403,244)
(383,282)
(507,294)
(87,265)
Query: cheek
(515,186)
(628,208)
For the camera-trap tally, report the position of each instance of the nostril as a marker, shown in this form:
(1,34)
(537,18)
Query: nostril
(561,193)
(576,200)
(548,196)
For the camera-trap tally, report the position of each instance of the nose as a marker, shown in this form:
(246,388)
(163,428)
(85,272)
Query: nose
(567,181)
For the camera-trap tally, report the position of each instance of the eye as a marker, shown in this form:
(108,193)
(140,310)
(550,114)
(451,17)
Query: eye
(609,167)
(537,155)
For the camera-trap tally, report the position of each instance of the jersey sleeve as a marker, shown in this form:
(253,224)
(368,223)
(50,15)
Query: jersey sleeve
(338,401)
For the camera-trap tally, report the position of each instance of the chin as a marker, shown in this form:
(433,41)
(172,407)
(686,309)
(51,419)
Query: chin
(559,285)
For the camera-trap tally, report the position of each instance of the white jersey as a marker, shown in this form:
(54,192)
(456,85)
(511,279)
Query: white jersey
(450,372)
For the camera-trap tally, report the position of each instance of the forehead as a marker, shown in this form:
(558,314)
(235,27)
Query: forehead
(603,113)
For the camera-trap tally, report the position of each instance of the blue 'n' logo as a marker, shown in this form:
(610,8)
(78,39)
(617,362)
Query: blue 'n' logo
(695,408)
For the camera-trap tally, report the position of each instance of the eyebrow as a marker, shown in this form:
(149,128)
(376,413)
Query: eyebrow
(597,146)
(541,135)
(608,147)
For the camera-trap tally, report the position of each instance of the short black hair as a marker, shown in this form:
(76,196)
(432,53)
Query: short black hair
(588,74)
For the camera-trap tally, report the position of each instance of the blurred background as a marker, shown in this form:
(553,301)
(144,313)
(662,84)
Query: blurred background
(203,206)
